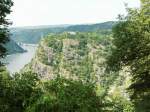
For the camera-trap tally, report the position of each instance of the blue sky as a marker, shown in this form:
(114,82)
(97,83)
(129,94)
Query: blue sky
(54,12)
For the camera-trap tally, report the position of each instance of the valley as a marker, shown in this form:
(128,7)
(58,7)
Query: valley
(25,40)
(74,56)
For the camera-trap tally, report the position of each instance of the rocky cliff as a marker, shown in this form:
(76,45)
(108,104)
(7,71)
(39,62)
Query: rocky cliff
(79,56)
(72,55)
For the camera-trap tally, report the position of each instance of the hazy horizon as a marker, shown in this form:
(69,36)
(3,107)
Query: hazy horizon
(58,25)
(67,12)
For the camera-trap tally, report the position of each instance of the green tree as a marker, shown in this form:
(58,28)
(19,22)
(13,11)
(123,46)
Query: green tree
(16,92)
(22,89)
(5,9)
(132,49)
(5,78)
(66,95)
(4,89)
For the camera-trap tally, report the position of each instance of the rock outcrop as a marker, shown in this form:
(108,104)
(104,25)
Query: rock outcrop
(71,57)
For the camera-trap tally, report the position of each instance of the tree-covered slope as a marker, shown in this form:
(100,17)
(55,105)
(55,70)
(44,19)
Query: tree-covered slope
(91,27)
(12,47)
(34,34)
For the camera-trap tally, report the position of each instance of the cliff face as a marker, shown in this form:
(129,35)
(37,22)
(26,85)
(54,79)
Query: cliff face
(80,56)
(74,56)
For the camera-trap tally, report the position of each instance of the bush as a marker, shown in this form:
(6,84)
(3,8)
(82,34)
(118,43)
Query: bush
(64,95)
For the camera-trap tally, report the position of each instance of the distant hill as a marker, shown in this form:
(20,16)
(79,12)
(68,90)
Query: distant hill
(12,47)
(91,27)
(34,34)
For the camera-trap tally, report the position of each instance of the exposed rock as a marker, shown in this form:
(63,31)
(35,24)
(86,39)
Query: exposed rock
(72,60)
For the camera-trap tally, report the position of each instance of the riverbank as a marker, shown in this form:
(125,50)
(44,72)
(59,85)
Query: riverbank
(15,62)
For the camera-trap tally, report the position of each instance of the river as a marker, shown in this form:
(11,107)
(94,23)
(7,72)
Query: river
(16,62)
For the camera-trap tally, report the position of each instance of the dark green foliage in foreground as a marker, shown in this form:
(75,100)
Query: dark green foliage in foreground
(132,49)
(4,89)
(62,95)
(15,92)
(5,46)
(5,9)
(26,93)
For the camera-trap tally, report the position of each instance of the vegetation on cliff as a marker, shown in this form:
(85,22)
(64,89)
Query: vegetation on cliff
(80,58)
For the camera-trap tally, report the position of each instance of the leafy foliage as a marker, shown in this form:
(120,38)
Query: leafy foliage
(132,49)
(64,95)
(5,8)
(16,91)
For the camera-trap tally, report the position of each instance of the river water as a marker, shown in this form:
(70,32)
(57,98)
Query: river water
(16,62)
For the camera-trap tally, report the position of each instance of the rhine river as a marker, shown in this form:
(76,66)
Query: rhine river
(16,62)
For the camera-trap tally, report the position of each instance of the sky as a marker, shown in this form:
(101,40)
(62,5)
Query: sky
(56,12)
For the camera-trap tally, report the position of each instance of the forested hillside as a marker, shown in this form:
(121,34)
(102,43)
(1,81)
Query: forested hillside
(34,34)
(12,47)
(91,27)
